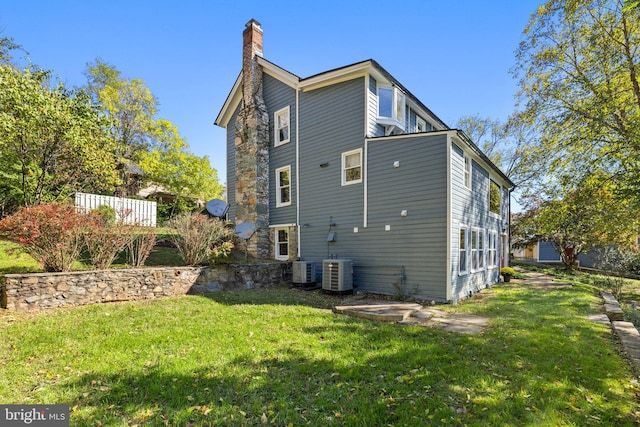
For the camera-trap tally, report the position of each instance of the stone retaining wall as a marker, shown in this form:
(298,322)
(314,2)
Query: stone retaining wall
(38,291)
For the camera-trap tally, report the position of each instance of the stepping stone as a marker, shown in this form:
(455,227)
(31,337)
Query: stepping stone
(630,339)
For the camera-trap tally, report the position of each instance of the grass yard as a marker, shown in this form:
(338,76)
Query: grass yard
(281,357)
(13,261)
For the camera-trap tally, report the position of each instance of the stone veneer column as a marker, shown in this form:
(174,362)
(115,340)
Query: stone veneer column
(252,146)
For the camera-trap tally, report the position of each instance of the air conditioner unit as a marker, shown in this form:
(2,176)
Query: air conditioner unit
(337,275)
(303,272)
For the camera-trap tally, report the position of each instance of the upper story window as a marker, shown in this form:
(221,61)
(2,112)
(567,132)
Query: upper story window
(421,125)
(467,172)
(352,167)
(494,197)
(283,182)
(281,119)
(391,106)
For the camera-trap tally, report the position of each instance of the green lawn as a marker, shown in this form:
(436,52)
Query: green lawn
(281,357)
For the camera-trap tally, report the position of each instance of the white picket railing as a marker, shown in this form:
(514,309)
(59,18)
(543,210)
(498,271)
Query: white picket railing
(128,211)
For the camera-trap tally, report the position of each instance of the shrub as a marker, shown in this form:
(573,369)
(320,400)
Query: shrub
(51,233)
(614,263)
(105,214)
(140,244)
(104,243)
(221,253)
(197,235)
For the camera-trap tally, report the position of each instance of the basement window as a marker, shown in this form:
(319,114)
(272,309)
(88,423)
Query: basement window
(282,244)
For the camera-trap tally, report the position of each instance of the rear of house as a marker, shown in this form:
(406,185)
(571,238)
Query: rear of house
(359,169)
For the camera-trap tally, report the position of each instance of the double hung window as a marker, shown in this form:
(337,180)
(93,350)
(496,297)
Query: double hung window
(281,120)
(352,167)
(283,182)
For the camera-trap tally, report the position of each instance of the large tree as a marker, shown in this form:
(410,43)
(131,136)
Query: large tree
(510,146)
(579,73)
(53,142)
(171,165)
(151,143)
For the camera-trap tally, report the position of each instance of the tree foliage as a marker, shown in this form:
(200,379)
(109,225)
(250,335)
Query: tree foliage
(585,217)
(579,74)
(152,143)
(170,164)
(510,146)
(52,141)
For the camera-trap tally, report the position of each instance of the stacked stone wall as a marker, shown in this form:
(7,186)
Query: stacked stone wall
(39,291)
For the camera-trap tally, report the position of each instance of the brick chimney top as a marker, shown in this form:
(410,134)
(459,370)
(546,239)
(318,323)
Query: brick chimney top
(252,38)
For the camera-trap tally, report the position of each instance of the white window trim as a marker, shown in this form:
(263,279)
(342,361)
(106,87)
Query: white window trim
(276,133)
(492,248)
(393,121)
(276,249)
(467,171)
(420,120)
(480,236)
(344,172)
(466,250)
(279,202)
(493,214)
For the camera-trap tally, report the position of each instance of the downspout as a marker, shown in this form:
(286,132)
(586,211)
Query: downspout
(366,181)
(298,170)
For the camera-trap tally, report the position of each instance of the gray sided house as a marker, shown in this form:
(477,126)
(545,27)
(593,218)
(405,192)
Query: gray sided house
(349,164)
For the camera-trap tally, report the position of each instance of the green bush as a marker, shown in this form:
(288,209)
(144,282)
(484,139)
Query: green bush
(106,215)
(222,253)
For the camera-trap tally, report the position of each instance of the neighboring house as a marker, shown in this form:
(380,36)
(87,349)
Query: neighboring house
(547,253)
(349,164)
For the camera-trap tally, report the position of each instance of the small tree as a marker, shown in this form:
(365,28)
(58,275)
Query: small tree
(197,235)
(52,233)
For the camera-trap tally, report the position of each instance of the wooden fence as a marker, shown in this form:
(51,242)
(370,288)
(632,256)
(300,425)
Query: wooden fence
(128,211)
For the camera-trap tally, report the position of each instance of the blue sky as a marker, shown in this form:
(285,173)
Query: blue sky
(454,56)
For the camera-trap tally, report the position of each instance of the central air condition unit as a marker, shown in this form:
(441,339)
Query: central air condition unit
(303,272)
(337,275)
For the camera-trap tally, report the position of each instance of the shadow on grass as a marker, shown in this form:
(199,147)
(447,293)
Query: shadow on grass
(279,295)
(528,369)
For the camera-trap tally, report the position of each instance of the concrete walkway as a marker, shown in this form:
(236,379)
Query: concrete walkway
(413,314)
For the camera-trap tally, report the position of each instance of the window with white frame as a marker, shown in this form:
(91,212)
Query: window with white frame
(283,183)
(352,167)
(391,106)
(281,119)
(421,125)
(282,244)
(467,171)
(463,263)
(480,251)
(492,249)
(477,249)
(494,197)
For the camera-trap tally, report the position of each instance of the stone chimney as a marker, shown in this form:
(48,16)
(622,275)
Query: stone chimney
(252,146)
